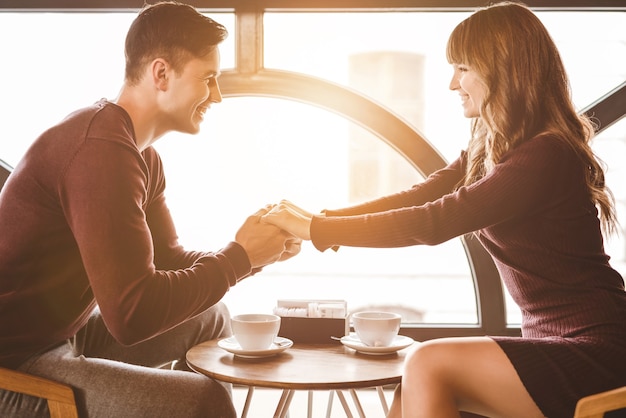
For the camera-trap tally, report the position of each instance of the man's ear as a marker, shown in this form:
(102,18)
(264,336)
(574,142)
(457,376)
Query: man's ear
(159,71)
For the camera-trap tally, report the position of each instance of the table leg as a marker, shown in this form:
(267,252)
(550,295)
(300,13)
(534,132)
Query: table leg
(282,409)
(309,411)
(357,403)
(246,406)
(287,404)
(329,407)
(383,401)
(342,399)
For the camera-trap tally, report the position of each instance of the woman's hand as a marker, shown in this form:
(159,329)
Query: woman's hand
(290,218)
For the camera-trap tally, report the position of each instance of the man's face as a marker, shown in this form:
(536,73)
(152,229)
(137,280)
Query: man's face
(191,93)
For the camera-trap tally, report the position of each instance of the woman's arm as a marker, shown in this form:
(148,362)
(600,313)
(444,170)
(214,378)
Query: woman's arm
(522,183)
(297,221)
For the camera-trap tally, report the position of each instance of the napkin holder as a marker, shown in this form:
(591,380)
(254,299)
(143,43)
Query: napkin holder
(312,321)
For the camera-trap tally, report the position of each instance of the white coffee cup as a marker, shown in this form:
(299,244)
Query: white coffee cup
(376,328)
(255,331)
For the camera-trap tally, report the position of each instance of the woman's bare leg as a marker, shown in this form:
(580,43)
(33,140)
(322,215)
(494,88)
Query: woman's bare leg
(448,375)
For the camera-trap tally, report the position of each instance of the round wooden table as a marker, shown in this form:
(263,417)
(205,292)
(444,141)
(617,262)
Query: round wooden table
(309,367)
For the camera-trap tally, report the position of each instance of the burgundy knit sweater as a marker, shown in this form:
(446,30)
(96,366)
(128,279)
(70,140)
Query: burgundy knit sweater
(84,222)
(534,216)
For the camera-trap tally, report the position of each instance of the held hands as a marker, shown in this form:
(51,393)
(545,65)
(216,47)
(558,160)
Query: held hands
(265,243)
(290,218)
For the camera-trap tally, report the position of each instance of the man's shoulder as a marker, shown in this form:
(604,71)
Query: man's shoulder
(101,121)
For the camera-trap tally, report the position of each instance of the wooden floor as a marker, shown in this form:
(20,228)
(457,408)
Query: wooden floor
(264,401)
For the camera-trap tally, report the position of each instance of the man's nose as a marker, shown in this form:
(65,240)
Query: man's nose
(215,94)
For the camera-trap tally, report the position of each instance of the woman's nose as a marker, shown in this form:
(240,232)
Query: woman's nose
(454,83)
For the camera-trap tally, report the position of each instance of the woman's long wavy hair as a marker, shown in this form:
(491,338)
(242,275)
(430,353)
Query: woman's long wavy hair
(528,93)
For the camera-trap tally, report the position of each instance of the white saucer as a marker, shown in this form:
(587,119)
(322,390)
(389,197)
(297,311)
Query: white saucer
(231,345)
(355,343)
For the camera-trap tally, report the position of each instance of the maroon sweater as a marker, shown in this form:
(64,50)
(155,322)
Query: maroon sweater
(84,222)
(534,216)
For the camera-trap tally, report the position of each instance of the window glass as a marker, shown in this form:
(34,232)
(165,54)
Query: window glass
(610,147)
(333,46)
(398,59)
(593,49)
(55,63)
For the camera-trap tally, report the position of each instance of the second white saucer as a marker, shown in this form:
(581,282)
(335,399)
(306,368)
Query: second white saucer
(400,342)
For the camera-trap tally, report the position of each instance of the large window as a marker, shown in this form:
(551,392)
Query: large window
(258,150)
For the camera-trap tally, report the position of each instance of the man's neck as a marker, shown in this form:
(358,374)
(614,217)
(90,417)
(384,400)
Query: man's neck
(140,104)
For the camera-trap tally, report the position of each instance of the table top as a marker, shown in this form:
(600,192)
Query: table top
(302,366)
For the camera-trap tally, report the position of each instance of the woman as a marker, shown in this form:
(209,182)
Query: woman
(533,193)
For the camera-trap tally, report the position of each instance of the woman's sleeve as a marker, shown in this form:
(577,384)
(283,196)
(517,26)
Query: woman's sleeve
(521,183)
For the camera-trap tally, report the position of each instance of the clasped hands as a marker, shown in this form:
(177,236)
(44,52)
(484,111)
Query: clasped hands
(290,218)
(274,233)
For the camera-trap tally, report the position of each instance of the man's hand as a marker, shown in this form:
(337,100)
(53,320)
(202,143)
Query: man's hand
(265,243)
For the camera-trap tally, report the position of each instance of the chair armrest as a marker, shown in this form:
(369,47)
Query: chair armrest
(594,406)
(60,397)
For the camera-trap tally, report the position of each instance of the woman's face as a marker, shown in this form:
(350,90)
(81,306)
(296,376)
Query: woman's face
(470,87)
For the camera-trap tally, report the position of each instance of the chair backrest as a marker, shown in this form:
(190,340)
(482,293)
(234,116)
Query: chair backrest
(5,170)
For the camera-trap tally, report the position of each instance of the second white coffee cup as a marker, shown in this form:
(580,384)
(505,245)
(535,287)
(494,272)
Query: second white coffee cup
(375,328)
(255,331)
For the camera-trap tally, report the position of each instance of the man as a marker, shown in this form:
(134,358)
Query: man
(95,290)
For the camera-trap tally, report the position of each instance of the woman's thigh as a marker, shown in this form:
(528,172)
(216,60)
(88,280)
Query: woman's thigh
(471,372)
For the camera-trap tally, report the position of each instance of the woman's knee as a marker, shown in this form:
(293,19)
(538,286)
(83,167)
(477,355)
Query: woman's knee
(425,355)
(433,361)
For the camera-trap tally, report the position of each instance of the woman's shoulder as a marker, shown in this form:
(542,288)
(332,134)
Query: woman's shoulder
(548,157)
(544,147)
(546,142)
